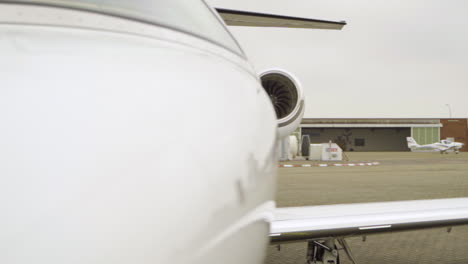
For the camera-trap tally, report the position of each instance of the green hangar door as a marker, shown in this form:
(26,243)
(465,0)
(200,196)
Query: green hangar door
(362,139)
(426,135)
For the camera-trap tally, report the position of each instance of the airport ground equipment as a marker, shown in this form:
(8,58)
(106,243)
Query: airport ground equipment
(315,152)
(293,147)
(331,151)
(283,149)
(325,152)
(287,148)
(305,146)
(327,251)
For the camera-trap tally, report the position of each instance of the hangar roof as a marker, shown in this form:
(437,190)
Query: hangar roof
(370,122)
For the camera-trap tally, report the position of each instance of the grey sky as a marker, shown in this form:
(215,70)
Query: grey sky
(393,59)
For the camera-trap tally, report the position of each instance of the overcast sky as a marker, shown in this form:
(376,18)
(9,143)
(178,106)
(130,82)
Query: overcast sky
(393,59)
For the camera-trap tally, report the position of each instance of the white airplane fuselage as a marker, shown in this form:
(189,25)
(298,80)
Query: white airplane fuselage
(444,146)
(123,142)
(447,146)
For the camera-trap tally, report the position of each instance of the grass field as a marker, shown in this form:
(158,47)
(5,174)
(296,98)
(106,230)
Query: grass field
(400,176)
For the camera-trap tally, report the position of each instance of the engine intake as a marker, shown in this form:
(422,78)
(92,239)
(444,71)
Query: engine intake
(287,98)
(282,92)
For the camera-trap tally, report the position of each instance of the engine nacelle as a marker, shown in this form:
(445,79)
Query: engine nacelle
(287,98)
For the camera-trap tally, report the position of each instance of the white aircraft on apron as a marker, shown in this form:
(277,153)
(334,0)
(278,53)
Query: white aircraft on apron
(138,132)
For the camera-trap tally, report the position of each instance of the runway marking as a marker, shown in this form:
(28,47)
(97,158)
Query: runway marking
(328,165)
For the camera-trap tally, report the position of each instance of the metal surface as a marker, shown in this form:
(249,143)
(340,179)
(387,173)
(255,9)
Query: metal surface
(255,19)
(322,252)
(286,94)
(282,91)
(302,223)
(347,250)
(444,146)
(91,137)
(143,12)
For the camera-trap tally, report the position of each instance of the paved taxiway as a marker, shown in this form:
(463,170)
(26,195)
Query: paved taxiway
(400,176)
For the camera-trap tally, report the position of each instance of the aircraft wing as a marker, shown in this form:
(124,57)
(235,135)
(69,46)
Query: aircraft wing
(253,19)
(345,220)
(441,147)
(451,147)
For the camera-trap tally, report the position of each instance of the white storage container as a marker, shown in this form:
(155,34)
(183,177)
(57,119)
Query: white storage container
(325,151)
(315,152)
(331,151)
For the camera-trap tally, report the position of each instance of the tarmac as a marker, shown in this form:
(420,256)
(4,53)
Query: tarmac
(399,176)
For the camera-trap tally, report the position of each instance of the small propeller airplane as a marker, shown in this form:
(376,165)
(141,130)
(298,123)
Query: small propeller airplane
(139,132)
(444,146)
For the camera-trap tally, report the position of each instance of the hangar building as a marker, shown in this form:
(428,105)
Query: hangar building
(374,134)
(456,129)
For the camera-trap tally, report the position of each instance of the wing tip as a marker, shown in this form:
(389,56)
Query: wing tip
(319,23)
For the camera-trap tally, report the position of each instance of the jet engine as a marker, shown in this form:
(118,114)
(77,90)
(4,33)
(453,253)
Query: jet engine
(287,98)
